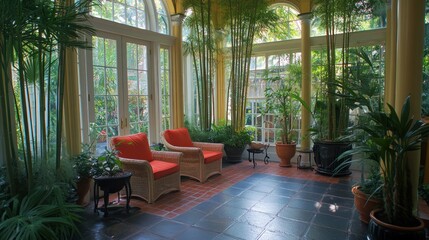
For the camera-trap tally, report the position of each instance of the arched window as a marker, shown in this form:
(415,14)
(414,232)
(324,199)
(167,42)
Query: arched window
(288,26)
(144,14)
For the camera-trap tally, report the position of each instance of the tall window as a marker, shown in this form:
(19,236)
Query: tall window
(127,88)
(165,87)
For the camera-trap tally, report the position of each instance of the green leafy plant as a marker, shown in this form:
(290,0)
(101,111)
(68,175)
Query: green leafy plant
(282,99)
(41,214)
(107,164)
(393,136)
(230,138)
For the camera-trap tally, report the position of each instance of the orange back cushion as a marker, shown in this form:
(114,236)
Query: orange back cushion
(134,146)
(178,137)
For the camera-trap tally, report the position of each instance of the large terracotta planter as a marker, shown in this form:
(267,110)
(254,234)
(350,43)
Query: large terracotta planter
(285,152)
(364,205)
(379,230)
(82,189)
(325,156)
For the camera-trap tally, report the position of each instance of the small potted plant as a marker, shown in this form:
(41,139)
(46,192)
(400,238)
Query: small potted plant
(234,141)
(82,166)
(282,99)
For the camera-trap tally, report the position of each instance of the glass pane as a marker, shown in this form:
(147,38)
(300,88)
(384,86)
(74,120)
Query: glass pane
(131,56)
(134,128)
(143,83)
(112,110)
(99,81)
(112,83)
(98,51)
(119,13)
(142,53)
(141,19)
(133,108)
(131,3)
(110,53)
(133,88)
(131,16)
(100,113)
(143,109)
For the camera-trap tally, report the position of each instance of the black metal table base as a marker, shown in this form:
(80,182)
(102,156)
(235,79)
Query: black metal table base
(107,191)
(258,151)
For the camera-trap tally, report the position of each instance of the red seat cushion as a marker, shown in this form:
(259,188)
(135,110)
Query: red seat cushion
(162,169)
(210,156)
(134,146)
(178,137)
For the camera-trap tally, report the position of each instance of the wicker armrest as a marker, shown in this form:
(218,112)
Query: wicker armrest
(136,166)
(173,157)
(215,147)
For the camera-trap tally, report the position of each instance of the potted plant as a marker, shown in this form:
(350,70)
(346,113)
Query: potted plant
(368,194)
(83,165)
(109,177)
(282,99)
(332,106)
(394,136)
(234,141)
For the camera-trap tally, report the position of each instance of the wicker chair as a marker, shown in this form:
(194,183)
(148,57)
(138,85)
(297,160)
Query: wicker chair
(200,160)
(154,172)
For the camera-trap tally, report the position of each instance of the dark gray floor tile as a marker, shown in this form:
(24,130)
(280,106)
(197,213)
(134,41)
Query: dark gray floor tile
(340,193)
(308,205)
(297,214)
(252,195)
(309,196)
(168,229)
(268,235)
(268,207)
(293,186)
(196,233)
(344,202)
(207,206)
(263,189)
(223,236)
(190,217)
(272,198)
(244,231)
(144,220)
(214,223)
(243,185)
(340,224)
(316,232)
(283,192)
(287,226)
(336,210)
(358,227)
(239,202)
(229,212)
(221,198)
(233,191)
(257,219)
(145,235)
(121,230)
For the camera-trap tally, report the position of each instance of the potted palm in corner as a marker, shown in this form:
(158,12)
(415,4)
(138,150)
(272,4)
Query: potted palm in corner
(394,137)
(282,100)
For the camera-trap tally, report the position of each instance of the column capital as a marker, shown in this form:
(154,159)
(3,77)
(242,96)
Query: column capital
(305,16)
(177,18)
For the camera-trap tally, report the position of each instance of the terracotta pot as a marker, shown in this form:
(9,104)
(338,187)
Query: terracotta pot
(82,189)
(285,152)
(364,205)
(379,230)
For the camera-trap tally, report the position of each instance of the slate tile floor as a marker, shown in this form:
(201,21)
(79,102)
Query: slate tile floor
(267,202)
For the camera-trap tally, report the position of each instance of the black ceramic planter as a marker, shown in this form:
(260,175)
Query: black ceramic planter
(379,230)
(233,154)
(325,157)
